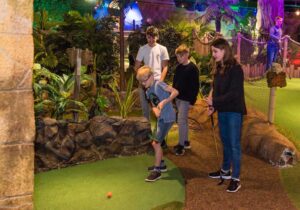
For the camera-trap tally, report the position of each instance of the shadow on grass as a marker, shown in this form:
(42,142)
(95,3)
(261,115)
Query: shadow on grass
(174,174)
(174,205)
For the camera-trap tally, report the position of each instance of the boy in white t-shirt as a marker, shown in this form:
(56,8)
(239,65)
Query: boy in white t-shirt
(156,57)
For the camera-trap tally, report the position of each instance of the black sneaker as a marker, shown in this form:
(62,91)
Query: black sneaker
(176,146)
(234,185)
(179,150)
(187,145)
(218,174)
(162,168)
(153,176)
(164,144)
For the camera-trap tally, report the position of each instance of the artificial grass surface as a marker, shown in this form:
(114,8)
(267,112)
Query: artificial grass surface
(291,179)
(287,118)
(85,186)
(287,113)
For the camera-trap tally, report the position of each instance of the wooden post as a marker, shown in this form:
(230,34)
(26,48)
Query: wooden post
(238,56)
(285,48)
(272,105)
(122,50)
(77,81)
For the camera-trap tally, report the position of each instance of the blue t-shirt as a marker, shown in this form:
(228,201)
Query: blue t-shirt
(158,90)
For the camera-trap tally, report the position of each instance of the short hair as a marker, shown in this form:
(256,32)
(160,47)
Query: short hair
(143,71)
(182,49)
(278,18)
(152,31)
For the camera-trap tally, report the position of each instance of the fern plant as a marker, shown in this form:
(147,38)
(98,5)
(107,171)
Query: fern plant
(125,103)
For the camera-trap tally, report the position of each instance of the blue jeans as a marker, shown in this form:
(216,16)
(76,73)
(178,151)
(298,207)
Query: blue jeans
(230,125)
(162,130)
(272,52)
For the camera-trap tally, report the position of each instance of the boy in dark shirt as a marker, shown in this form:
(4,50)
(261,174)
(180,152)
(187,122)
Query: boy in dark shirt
(186,81)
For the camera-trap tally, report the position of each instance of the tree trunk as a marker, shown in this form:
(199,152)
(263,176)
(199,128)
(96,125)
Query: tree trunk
(122,68)
(267,10)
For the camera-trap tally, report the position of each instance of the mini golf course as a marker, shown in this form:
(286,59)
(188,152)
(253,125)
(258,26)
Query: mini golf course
(86,186)
(287,119)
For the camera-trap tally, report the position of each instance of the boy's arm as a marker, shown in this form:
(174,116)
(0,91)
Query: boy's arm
(156,111)
(173,93)
(164,70)
(138,60)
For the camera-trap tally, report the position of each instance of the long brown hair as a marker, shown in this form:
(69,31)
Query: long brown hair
(228,60)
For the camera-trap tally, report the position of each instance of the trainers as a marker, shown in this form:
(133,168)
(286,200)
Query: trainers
(164,144)
(218,174)
(153,176)
(162,168)
(187,145)
(234,185)
(176,146)
(179,150)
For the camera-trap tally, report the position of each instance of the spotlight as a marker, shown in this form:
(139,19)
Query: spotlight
(297,12)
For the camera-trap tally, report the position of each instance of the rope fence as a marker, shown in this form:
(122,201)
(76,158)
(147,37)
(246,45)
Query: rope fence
(252,54)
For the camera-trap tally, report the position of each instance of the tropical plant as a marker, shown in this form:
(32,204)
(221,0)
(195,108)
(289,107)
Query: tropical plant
(49,45)
(219,10)
(99,105)
(55,12)
(85,33)
(53,94)
(124,102)
(187,28)
(171,39)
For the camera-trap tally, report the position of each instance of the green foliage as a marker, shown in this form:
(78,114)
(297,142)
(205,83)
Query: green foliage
(218,10)
(124,102)
(171,39)
(49,45)
(202,62)
(86,32)
(102,104)
(135,40)
(51,6)
(53,94)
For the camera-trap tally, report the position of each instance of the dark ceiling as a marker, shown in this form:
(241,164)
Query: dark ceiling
(289,5)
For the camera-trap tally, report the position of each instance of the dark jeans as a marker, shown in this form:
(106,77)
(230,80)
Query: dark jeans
(272,52)
(230,125)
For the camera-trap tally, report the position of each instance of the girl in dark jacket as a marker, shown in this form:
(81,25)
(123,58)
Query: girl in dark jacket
(227,98)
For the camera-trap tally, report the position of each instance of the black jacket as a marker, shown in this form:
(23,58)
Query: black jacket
(186,81)
(228,91)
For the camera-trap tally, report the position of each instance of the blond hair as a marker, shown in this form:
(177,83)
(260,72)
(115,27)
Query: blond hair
(143,72)
(182,49)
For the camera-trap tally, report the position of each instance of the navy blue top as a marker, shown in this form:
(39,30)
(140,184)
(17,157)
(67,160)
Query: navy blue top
(186,81)
(228,91)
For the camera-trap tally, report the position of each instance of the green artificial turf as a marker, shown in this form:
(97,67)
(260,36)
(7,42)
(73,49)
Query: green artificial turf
(287,112)
(291,182)
(85,186)
(287,119)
